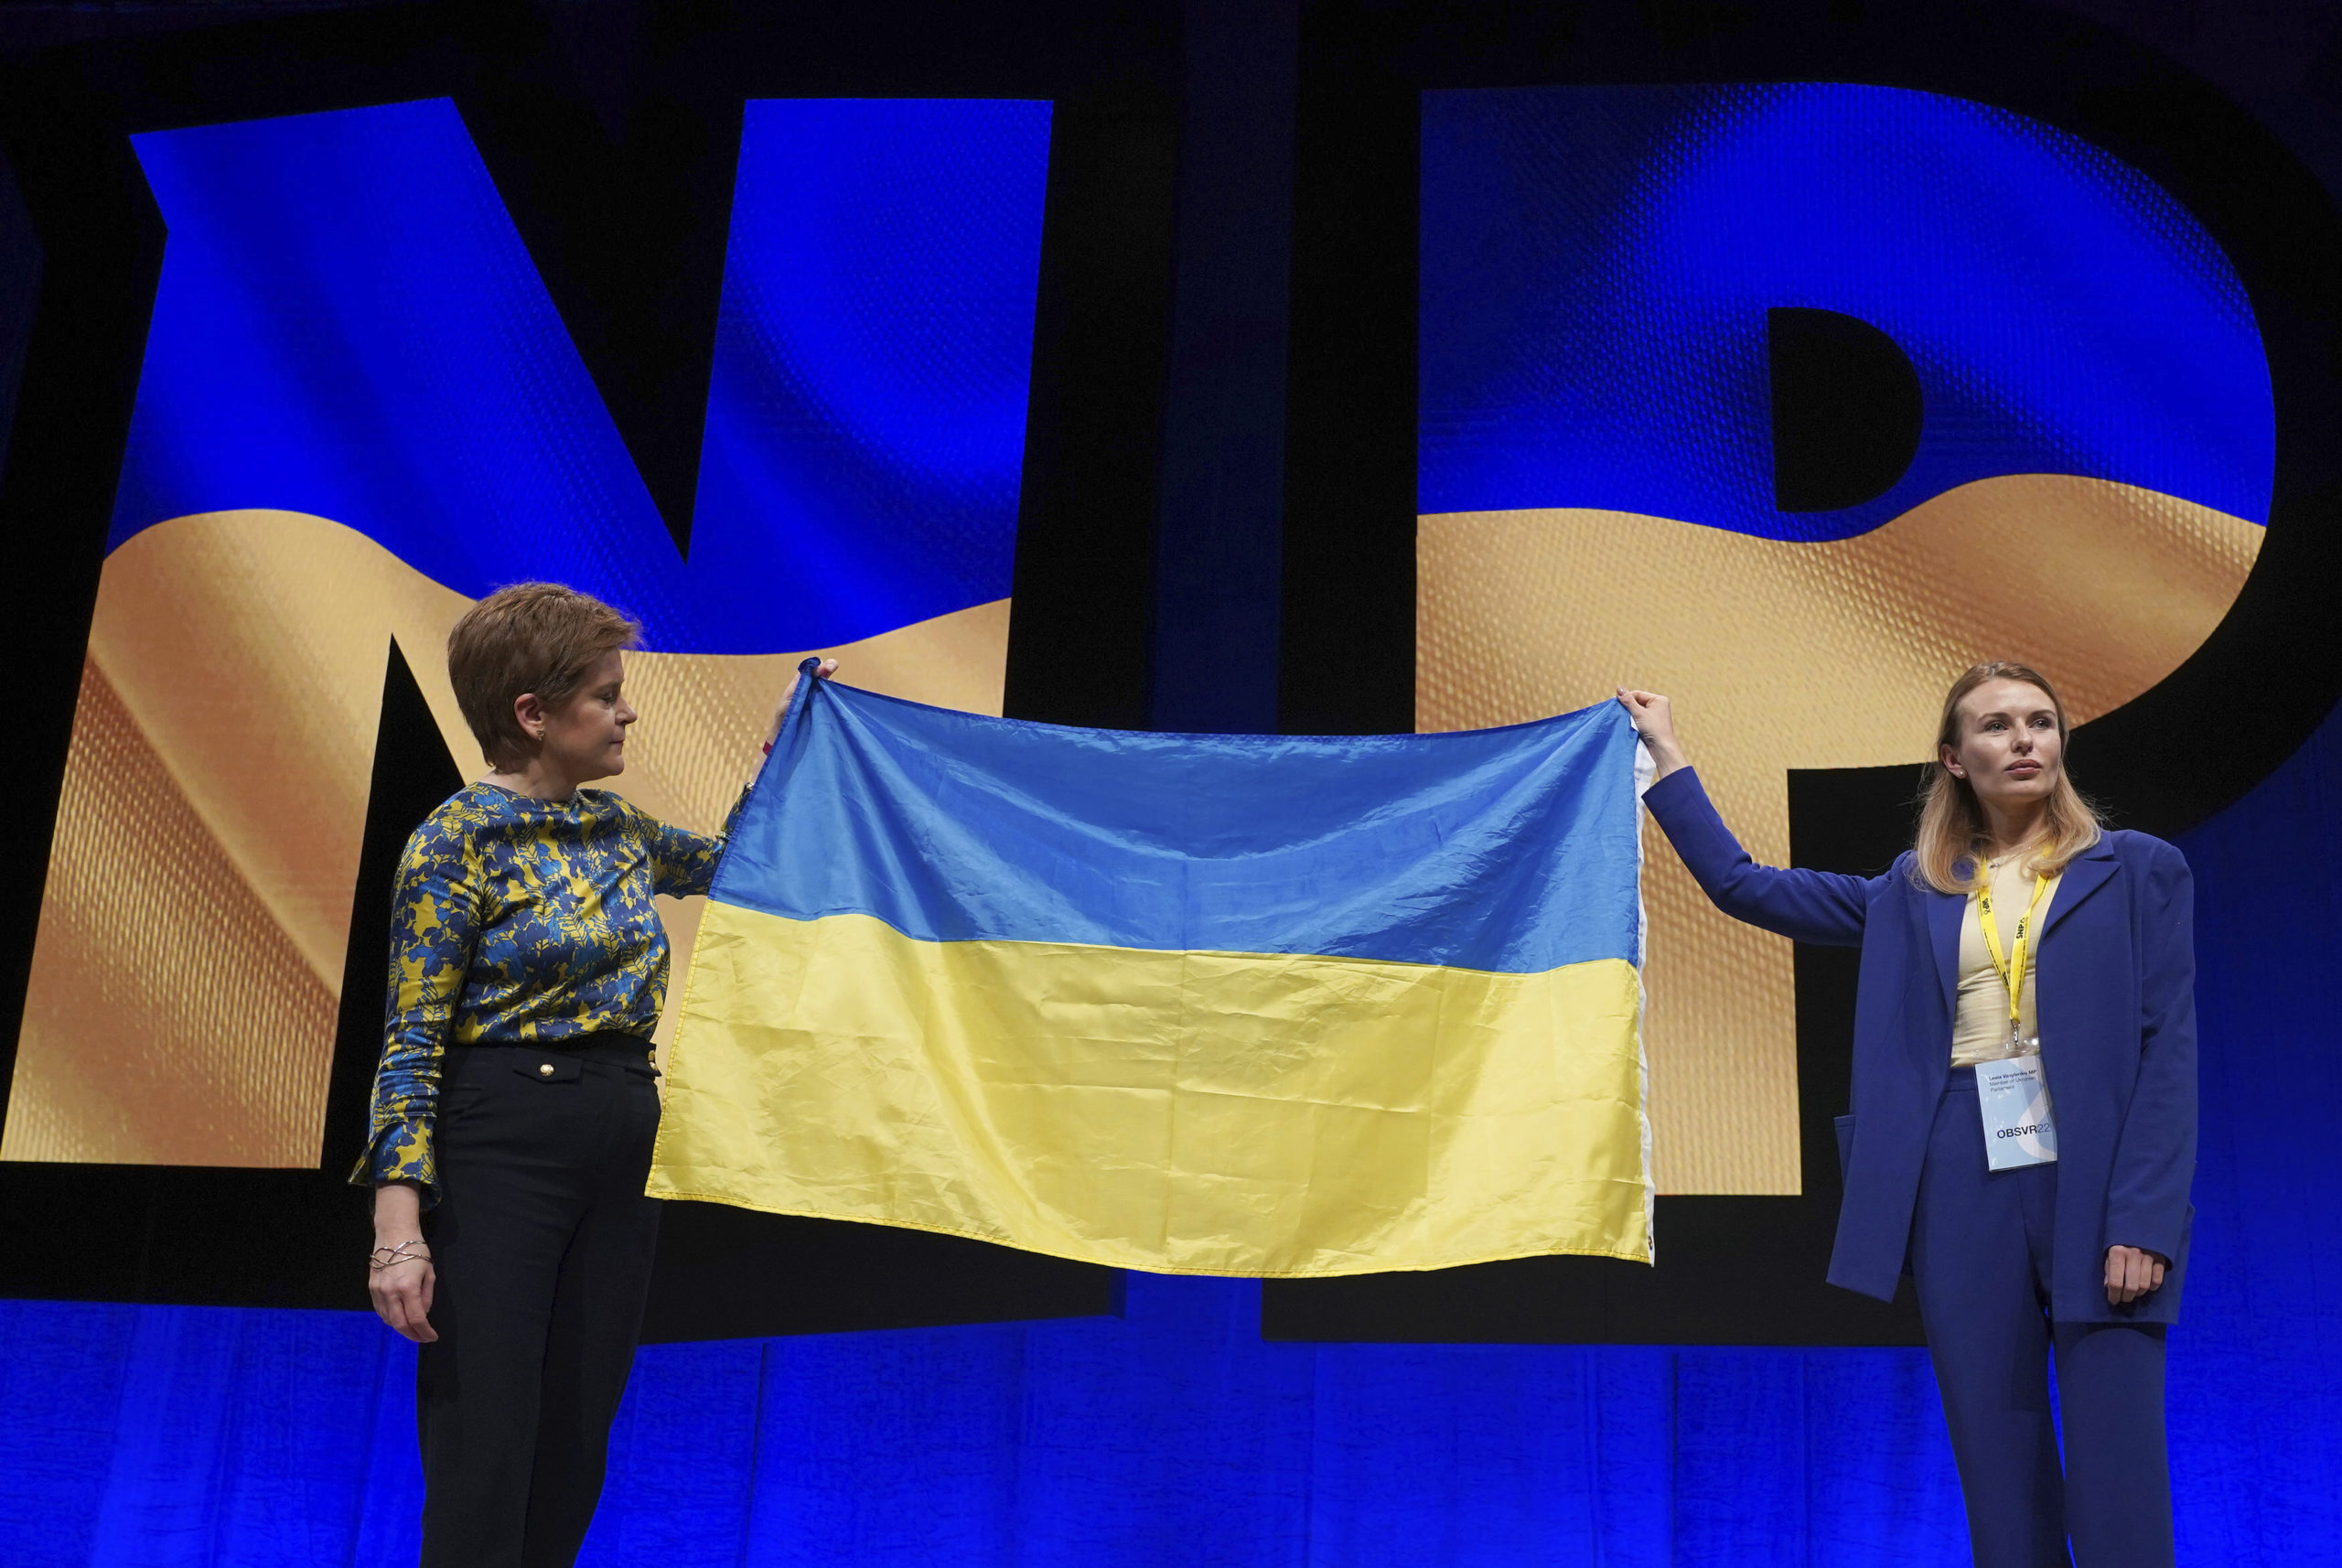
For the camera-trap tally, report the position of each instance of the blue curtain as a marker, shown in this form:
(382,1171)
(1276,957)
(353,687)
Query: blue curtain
(155,1437)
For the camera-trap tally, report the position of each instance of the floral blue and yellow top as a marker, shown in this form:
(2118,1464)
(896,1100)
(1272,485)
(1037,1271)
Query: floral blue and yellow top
(513,921)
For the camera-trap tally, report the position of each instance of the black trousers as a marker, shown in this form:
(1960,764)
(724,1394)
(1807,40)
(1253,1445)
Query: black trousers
(543,1241)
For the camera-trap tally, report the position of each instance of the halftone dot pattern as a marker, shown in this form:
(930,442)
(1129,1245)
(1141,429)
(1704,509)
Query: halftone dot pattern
(1595,468)
(865,430)
(348,326)
(349,341)
(1597,263)
(213,1058)
(1807,655)
(263,802)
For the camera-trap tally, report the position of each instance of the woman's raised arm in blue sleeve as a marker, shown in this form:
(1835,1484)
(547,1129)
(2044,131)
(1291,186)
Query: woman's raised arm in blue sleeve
(1825,906)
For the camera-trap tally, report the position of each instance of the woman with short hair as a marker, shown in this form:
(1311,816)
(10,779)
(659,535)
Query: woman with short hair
(2017,941)
(515,1104)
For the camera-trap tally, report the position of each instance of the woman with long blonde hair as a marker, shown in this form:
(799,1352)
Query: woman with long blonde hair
(2023,1131)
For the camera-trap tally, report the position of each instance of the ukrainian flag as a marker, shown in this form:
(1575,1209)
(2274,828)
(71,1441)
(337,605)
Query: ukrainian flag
(1229,1004)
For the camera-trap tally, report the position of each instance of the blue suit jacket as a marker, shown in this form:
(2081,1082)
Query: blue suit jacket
(2117,978)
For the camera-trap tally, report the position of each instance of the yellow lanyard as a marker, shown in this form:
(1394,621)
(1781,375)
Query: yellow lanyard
(2011,965)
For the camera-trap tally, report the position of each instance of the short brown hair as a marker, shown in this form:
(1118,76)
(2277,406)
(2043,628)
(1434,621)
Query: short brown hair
(530,637)
(1951,824)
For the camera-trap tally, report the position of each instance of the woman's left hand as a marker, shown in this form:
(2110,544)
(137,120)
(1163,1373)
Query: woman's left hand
(1654,718)
(827,668)
(2131,1273)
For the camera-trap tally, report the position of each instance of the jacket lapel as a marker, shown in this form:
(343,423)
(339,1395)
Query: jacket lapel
(2085,877)
(1944,911)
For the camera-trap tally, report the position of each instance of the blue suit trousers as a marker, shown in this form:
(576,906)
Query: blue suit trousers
(1982,1255)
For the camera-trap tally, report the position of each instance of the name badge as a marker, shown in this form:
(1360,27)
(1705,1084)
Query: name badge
(2013,1095)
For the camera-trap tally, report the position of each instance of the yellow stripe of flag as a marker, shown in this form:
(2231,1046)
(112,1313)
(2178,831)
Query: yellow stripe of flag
(1333,1115)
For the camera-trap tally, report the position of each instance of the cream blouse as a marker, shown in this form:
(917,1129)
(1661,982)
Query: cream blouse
(1980,1025)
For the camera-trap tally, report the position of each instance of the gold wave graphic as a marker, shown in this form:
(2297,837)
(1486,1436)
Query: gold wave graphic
(1791,655)
(187,976)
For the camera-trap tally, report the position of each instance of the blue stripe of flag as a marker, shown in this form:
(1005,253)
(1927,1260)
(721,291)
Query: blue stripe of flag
(1512,850)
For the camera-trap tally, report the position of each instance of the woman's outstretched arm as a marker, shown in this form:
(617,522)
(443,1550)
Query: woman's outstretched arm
(1824,907)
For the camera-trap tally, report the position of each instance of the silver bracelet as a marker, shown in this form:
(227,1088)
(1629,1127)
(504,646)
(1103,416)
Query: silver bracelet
(391,1257)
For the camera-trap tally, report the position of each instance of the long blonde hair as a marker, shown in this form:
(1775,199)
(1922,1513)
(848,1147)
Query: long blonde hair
(1952,837)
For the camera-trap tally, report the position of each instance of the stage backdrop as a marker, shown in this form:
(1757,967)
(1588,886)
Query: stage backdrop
(359,412)
(178,1437)
(1646,315)
(1172,1435)
(1792,402)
